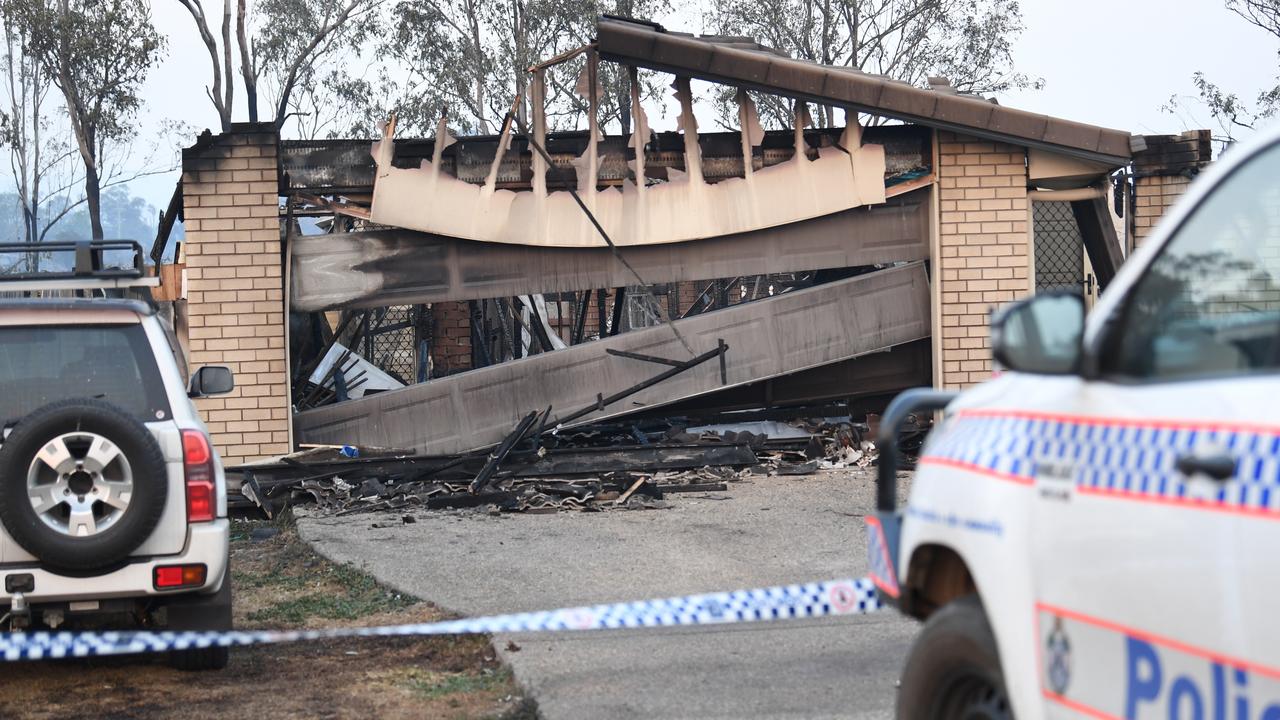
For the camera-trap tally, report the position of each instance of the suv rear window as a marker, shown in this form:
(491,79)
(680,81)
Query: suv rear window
(40,365)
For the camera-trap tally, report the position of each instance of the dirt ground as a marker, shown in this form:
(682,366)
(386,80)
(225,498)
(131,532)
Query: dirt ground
(279,583)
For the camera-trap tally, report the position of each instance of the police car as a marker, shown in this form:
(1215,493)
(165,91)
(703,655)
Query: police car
(1094,532)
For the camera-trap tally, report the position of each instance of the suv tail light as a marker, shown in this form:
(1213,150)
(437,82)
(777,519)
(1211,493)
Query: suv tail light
(172,577)
(197,463)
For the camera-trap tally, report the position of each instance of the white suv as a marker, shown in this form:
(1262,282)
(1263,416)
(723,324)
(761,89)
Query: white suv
(112,498)
(1093,533)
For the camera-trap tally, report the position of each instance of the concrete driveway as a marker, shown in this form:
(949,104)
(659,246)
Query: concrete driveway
(766,532)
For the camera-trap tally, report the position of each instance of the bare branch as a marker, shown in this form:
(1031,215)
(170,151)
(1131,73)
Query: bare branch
(215,94)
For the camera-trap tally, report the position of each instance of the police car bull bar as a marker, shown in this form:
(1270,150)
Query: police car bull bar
(906,404)
(885,545)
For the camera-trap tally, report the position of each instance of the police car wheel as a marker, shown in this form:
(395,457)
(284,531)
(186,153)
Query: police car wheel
(953,671)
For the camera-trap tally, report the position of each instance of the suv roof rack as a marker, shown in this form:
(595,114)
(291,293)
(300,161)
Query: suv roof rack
(89,267)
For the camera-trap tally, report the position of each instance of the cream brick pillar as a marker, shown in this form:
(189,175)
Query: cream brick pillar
(1162,172)
(235,295)
(982,256)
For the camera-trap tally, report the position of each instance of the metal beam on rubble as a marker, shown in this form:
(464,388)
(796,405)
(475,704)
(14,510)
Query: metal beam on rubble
(677,367)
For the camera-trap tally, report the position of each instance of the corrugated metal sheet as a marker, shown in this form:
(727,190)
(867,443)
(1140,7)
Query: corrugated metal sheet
(768,338)
(393,267)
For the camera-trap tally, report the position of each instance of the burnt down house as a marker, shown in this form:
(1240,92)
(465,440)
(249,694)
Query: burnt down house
(429,294)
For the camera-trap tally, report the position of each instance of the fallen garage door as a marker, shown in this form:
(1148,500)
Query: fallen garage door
(767,338)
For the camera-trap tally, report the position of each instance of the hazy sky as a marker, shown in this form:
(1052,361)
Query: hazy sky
(1107,62)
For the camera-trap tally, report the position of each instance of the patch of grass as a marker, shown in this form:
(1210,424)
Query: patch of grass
(278,580)
(299,585)
(331,607)
(242,528)
(439,685)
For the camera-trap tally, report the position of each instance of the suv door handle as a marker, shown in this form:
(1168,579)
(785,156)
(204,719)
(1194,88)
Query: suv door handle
(1218,467)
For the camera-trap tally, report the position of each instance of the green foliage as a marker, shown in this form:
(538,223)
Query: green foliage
(967,41)
(293,39)
(124,216)
(98,53)
(285,28)
(470,59)
(1232,114)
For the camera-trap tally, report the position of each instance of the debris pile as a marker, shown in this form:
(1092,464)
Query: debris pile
(593,468)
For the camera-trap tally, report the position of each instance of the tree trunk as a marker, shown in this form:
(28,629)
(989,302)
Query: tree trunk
(624,9)
(34,197)
(29,224)
(229,91)
(522,60)
(93,197)
(624,103)
(246,64)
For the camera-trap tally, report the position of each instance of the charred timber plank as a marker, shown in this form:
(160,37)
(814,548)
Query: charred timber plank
(345,167)
(464,500)
(694,487)
(1100,239)
(639,458)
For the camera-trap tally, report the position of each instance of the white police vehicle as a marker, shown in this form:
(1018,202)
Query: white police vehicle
(1094,532)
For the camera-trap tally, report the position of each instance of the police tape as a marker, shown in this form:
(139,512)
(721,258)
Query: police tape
(783,602)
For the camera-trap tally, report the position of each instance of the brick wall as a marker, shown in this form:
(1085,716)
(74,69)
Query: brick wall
(451,338)
(1154,195)
(235,297)
(983,257)
(1162,172)
(688,292)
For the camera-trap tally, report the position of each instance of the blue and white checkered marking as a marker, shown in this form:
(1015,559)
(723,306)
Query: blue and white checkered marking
(998,444)
(810,600)
(1120,457)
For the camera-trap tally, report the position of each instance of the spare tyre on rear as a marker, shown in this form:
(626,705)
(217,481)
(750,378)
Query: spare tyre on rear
(82,484)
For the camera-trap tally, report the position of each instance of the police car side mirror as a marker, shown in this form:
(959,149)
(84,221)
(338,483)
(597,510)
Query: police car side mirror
(1040,335)
(211,380)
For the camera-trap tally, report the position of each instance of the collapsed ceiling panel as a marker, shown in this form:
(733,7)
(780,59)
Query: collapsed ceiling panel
(392,267)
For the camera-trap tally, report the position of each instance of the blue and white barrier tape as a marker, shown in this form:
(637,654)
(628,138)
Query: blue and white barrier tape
(810,600)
